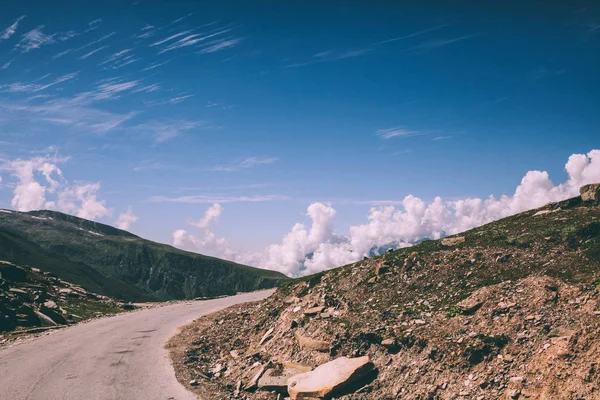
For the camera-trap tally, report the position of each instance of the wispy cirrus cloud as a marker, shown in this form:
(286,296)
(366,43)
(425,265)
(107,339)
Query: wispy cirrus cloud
(337,54)
(34,39)
(390,133)
(163,130)
(200,199)
(7,64)
(221,44)
(8,32)
(119,59)
(155,65)
(91,53)
(67,112)
(249,162)
(436,43)
(36,87)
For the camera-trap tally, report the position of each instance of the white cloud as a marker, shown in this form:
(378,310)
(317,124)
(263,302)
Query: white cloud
(397,132)
(126,219)
(36,87)
(218,45)
(163,130)
(208,242)
(211,215)
(82,201)
(29,194)
(35,39)
(305,250)
(8,32)
(200,199)
(83,57)
(189,40)
(40,177)
(249,162)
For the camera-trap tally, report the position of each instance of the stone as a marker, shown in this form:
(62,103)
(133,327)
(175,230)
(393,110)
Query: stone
(313,311)
(51,305)
(328,378)
(253,384)
(470,305)
(275,380)
(268,335)
(217,368)
(307,343)
(11,272)
(54,315)
(590,192)
(46,320)
(453,241)
(381,269)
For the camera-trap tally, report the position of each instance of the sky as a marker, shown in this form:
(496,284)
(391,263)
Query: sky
(297,136)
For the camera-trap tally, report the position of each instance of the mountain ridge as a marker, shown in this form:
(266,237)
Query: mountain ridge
(114,262)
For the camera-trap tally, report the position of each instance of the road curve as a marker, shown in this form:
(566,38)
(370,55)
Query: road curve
(116,358)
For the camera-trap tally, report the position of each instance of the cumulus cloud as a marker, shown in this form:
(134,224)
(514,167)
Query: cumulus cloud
(211,215)
(40,177)
(207,242)
(126,219)
(29,194)
(82,201)
(306,250)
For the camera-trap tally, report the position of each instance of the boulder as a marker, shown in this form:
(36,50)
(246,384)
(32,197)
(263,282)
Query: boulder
(453,241)
(51,305)
(313,311)
(267,336)
(275,379)
(13,273)
(590,192)
(329,378)
(307,343)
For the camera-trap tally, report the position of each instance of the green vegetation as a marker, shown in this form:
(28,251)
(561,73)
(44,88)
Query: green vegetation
(116,263)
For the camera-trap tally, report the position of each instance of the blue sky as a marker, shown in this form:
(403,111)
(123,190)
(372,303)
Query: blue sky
(268,107)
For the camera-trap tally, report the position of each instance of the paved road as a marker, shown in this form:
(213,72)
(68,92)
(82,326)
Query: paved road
(116,358)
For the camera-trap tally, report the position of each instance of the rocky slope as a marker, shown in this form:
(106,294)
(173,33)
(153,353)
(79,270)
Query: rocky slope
(32,301)
(510,310)
(116,263)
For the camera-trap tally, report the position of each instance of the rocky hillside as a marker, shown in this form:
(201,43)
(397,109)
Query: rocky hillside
(116,263)
(510,310)
(32,301)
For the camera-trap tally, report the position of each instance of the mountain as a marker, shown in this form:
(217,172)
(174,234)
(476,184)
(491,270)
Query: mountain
(109,261)
(508,310)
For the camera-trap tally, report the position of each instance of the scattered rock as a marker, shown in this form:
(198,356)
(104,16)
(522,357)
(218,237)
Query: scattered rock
(311,344)
(276,379)
(268,335)
(329,378)
(313,311)
(590,192)
(453,241)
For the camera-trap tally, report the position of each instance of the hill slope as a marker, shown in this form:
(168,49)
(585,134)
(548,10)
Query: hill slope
(110,261)
(508,310)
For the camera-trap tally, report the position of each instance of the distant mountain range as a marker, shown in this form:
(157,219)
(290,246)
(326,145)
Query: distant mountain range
(116,263)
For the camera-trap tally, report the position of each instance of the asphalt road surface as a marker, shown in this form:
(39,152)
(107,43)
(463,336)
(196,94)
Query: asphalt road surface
(121,357)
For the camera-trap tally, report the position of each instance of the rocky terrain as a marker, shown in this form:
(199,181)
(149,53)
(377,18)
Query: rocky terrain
(116,263)
(509,310)
(33,301)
